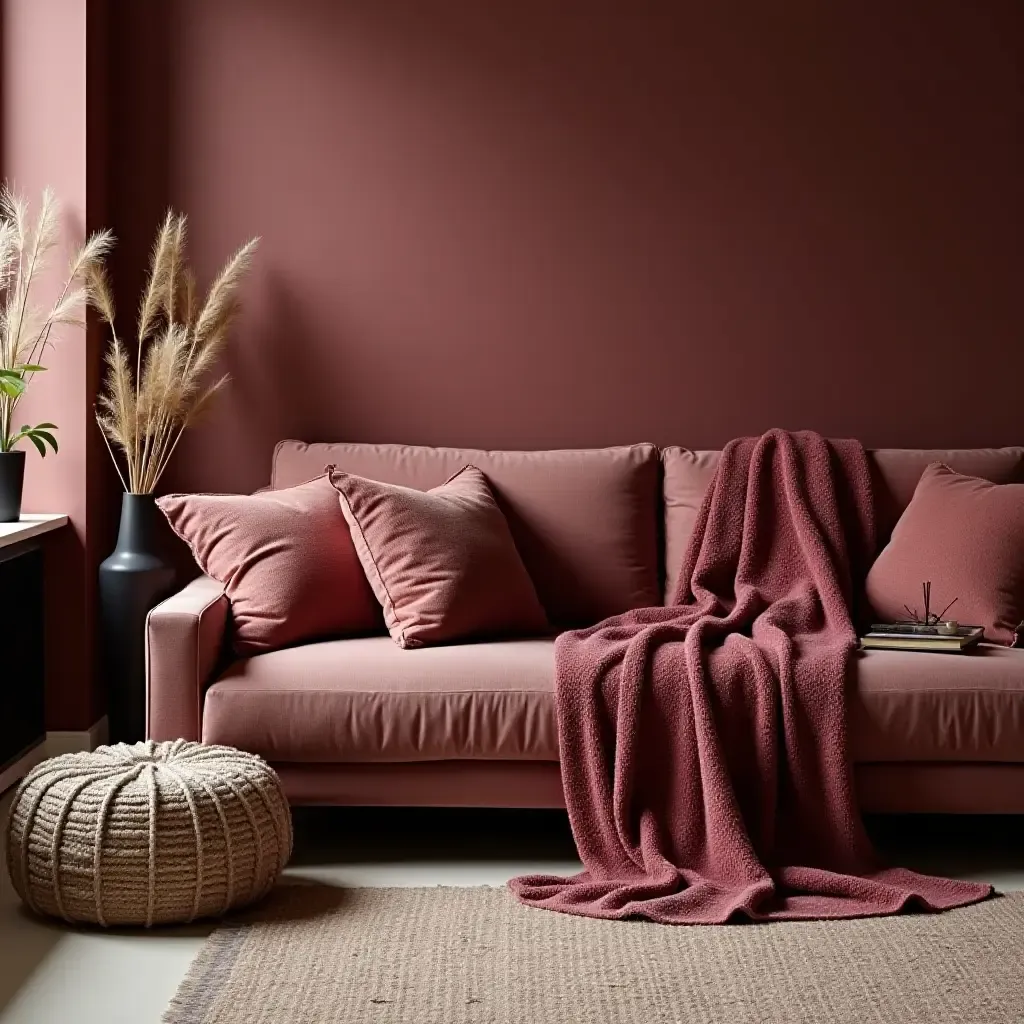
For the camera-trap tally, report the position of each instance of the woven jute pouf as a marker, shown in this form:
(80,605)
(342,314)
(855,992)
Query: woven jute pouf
(147,833)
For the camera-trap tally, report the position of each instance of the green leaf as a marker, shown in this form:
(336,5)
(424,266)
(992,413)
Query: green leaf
(40,447)
(5,372)
(13,387)
(31,368)
(46,436)
(46,426)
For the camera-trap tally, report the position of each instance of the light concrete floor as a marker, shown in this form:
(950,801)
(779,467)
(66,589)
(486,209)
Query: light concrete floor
(50,973)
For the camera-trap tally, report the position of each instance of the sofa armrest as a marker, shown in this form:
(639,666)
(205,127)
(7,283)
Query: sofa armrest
(184,639)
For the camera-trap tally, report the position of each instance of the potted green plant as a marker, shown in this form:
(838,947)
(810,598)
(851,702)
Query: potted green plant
(25,329)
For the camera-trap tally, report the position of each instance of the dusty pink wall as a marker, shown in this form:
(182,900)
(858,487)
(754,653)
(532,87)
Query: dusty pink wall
(51,124)
(535,224)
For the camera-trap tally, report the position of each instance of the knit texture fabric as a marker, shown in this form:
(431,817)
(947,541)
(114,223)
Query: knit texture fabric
(147,833)
(703,746)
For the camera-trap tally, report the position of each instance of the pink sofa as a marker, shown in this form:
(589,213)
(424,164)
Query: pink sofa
(360,721)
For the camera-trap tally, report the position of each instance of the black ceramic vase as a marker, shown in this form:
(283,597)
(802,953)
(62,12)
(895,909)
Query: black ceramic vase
(12,479)
(132,580)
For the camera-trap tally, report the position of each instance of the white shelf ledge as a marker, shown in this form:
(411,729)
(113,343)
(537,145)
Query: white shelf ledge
(30,525)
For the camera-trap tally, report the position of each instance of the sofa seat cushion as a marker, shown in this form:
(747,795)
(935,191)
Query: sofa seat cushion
(908,706)
(366,699)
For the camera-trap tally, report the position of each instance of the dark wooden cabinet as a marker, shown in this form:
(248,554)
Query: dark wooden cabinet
(22,653)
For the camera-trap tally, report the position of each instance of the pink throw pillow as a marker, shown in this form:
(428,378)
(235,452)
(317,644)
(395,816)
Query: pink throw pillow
(966,535)
(286,561)
(442,562)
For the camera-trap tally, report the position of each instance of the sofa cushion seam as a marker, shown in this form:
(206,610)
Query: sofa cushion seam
(425,693)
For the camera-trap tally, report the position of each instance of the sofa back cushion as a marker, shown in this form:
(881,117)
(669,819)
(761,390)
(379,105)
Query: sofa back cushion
(896,473)
(687,475)
(585,522)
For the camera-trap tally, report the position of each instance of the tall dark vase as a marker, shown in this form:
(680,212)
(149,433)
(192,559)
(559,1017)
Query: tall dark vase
(132,580)
(12,480)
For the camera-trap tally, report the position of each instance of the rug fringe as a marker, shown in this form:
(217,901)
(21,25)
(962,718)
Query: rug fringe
(206,976)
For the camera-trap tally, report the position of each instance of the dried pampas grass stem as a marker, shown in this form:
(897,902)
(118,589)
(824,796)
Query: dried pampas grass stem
(143,411)
(25,330)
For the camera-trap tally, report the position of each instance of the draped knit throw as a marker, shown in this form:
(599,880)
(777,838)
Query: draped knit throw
(704,749)
(147,833)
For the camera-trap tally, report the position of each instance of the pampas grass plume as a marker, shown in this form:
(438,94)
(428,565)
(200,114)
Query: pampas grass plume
(144,412)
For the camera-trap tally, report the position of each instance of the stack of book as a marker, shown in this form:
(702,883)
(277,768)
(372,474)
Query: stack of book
(915,636)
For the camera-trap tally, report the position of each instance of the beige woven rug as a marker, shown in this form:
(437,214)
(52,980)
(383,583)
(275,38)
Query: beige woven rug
(474,956)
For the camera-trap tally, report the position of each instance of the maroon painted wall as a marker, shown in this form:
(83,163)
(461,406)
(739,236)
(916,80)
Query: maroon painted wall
(526,224)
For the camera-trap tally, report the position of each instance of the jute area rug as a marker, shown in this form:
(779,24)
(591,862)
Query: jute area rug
(475,956)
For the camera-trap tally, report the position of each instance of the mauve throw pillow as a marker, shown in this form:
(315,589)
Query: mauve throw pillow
(286,561)
(966,536)
(442,562)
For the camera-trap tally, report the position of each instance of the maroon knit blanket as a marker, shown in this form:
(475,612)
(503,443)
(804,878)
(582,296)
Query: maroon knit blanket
(704,745)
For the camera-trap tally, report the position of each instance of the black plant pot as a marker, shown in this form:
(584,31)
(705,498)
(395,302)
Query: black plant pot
(12,480)
(132,580)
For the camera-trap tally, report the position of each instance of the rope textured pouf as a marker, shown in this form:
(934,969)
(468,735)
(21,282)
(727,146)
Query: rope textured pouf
(147,833)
